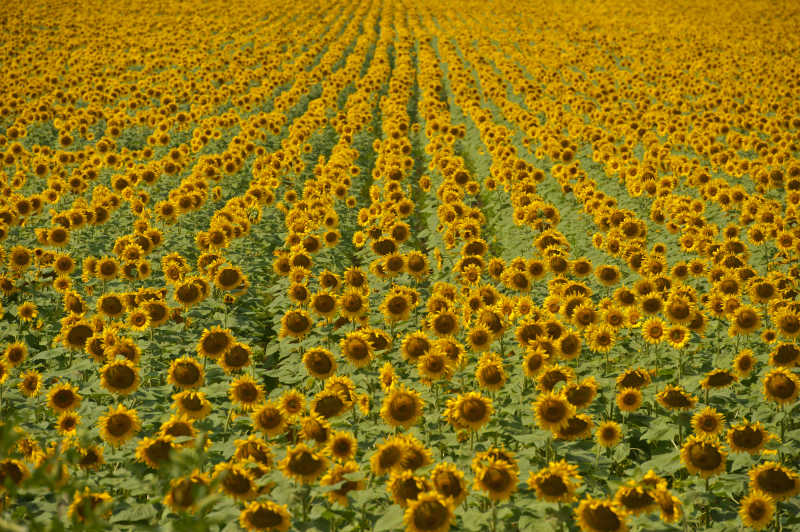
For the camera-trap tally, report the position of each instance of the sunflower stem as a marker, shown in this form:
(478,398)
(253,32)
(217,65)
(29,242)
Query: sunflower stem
(494,516)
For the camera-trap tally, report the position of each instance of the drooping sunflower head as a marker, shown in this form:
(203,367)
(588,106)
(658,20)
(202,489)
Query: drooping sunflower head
(778,481)
(595,515)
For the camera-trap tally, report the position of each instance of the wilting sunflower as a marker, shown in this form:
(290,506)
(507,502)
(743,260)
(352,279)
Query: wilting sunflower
(267,516)
(336,475)
(702,456)
(781,386)
(748,437)
(676,398)
(449,482)
(63,398)
(185,492)
(215,342)
(555,483)
(236,481)
(192,404)
(155,451)
(118,425)
(120,377)
(185,373)
(302,464)
(785,355)
(553,411)
(429,512)
(608,434)
(707,423)
(757,510)
(497,478)
(776,480)
(402,407)
(596,515)
(86,503)
(246,393)
(319,362)
(269,419)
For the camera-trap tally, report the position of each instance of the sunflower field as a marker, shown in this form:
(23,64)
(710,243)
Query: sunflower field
(399,265)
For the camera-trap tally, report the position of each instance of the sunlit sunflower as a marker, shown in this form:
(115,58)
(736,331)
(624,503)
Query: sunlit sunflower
(319,362)
(191,403)
(67,423)
(245,392)
(428,512)
(30,383)
(342,475)
(235,481)
(776,480)
(155,451)
(552,411)
(215,342)
(315,428)
(490,373)
(296,323)
(757,510)
(472,409)
(63,398)
(535,359)
(745,320)
(676,398)
(634,498)
(292,402)
(387,456)
(629,399)
(595,515)
(707,423)
(111,305)
(781,386)
(497,478)
(266,516)
(356,348)
(118,425)
(748,437)
(449,482)
(717,379)
(402,407)
(654,330)
(608,433)
(555,483)
(185,373)
(185,492)
(120,377)
(269,419)
(302,464)
(702,456)
(581,394)
(353,303)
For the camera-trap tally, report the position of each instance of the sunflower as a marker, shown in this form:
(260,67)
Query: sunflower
(330,403)
(76,333)
(629,399)
(490,373)
(119,425)
(266,516)
(387,456)
(634,378)
(236,481)
(718,378)
(553,411)
(535,359)
(90,458)
(158,311)
(581,394)
(707,423)
(744,363)
(185,492)
(601,338)
(353,303)
(745,320)
(190,291)
(757,510)
(316,428)
(555,483)
(479,337)
(781,386)
(63,398)
(595,515)
(429,512)
(30,382)
(15,354)
(215,342)
(635,499)
(229,278)
(553,374)
(324,304)
(444,323)
(396,306)
(497,478)
(68,423)
(139,320)
(120,377)
(86,504)
(319,362)
(748,437)
(703,456)
(341,474)
(111,305)
(608,434)
(356,348)
(787,323)
(449,482)
(269,419)
(402,407)
(405,487)
(654,330)
(785,354)
(776,480)
(192,404)
(302,464)
(342,446)
(676,398)
(245,392)
(293,403)
(578,427)
(471,410)
(185,373)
